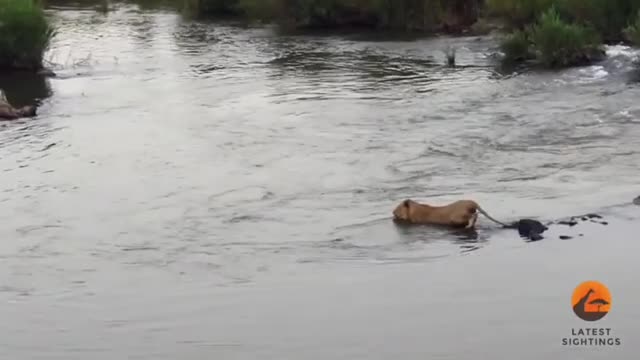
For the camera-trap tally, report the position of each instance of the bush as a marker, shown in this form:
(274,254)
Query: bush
(518,13)
(420,15)
(632,32)
(390,14)
(559,44)
(553,43)
(608,17)
(423,15)
(212,7)
(25,34)
(516,47)
(258,9)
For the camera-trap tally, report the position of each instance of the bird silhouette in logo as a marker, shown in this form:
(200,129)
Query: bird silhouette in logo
(591,309)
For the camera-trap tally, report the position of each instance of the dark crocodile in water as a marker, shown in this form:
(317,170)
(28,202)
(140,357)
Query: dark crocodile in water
(529,229)
(533,229)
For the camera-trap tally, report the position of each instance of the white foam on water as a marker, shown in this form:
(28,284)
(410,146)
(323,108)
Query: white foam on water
(588,74)
(596,72)
(624,113)
(622,50)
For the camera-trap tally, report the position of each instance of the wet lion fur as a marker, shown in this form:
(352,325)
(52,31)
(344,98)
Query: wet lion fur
(8,112)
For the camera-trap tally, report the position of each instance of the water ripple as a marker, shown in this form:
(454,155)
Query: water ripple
(181,145)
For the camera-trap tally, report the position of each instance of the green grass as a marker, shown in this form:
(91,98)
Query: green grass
(408,15)
(561,44)
(553,42)
(518,13)
(516,47)
(25,34)
(560,33)
(608,17)
(632,32)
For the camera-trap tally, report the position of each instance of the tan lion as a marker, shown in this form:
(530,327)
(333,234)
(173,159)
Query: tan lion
(461,214)
(8,112)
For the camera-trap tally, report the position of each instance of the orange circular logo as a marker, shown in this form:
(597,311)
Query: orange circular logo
(591,301)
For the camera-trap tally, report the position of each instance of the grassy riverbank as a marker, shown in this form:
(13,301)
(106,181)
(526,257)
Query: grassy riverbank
(632,32)
(408,15)
(551,33)
(25,34)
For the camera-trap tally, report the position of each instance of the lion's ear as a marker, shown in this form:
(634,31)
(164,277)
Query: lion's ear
(406,203)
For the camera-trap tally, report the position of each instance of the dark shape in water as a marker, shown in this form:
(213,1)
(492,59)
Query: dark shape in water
(568,222)
(24,88)
(530,229)
(573,221)
(450,54)
(565,237)
(636,201)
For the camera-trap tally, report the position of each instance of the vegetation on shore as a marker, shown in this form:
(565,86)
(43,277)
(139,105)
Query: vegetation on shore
(552,43)
(551,33)
(632,32)
(25,34)
(560,33)
(406,15)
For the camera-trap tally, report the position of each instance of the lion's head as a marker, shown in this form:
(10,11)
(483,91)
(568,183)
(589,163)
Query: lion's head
(402,212)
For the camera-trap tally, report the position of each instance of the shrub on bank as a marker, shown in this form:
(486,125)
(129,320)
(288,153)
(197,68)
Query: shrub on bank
(218,7)
(389,14)
(608,17)
(554,33)
(632,32)
(560,44)
(553,43)
(25,34)
(516,47)
(421,15)
(518,13)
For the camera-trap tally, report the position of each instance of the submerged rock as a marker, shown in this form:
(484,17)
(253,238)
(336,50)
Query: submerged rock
(568,222)
(636,201)
(530,229)
(46,72)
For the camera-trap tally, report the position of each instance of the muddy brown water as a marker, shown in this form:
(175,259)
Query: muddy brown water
(202,190)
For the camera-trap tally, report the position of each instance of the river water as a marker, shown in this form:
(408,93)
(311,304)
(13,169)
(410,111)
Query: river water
(204,190)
